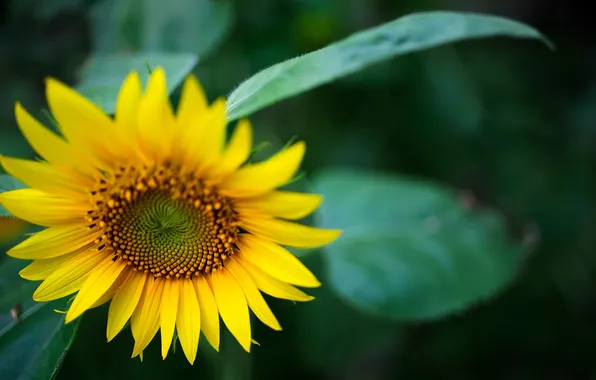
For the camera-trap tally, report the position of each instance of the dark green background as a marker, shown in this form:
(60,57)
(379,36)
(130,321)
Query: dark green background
(507,122)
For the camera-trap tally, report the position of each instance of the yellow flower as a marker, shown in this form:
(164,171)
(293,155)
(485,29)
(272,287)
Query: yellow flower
(155,212)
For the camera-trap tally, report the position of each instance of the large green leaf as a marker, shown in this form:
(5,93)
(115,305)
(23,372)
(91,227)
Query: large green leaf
(102,76)
(35,347)
(196,26)
(14,291)
(410,250)
(408,34)
(185,25)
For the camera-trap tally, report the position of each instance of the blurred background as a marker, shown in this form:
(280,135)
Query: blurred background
(506,123)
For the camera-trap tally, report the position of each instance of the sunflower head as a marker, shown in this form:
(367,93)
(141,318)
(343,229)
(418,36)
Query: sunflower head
(155,212)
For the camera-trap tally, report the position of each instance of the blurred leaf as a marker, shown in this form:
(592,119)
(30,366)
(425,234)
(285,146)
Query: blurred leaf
(196,26)
(408,34)
(102,76)
(185,25)
(410,250)
(13,289)
(35,346)
(8,183)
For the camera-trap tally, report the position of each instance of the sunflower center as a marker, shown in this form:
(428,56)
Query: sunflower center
(163,222)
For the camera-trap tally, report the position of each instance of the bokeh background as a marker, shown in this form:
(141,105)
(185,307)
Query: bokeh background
(506,123)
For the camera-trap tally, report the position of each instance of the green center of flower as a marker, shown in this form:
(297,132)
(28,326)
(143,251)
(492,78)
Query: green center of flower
(164,224)
(161,224)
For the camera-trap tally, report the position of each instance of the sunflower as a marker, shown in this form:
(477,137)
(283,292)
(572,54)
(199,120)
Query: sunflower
(157,213)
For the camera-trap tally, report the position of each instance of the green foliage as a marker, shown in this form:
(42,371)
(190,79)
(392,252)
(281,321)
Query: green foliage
(35,346)
(13,289)
(410,250)
(33,338)
(405,35)
(187,26)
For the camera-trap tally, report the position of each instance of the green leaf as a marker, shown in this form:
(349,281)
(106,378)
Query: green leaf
(102,76)
(185,25)
(8,183)
(196,26)
(35,347)
(408,34)
(14,291)
(410,250)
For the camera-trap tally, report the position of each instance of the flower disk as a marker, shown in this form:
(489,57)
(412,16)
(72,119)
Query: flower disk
(156,213)
(163,223)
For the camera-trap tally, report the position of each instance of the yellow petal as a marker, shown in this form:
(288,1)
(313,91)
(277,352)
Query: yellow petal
(124,303)
(213,136)
(253,296)
(235,154)
(97,283)
(42,269)
(288,233)
(155,119)
(128,102)
(209,312)
(192,111)
(48,145)
(202,140)
(276,261)
(169,307)
(188,321)
(273,287)
(126,114)
(54,242)
(112,290)
(69,277)
(193,103)
(43,209)
(281,204)
(262,177)
(232,306)
(145,320)
(83,123)
(44,176)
